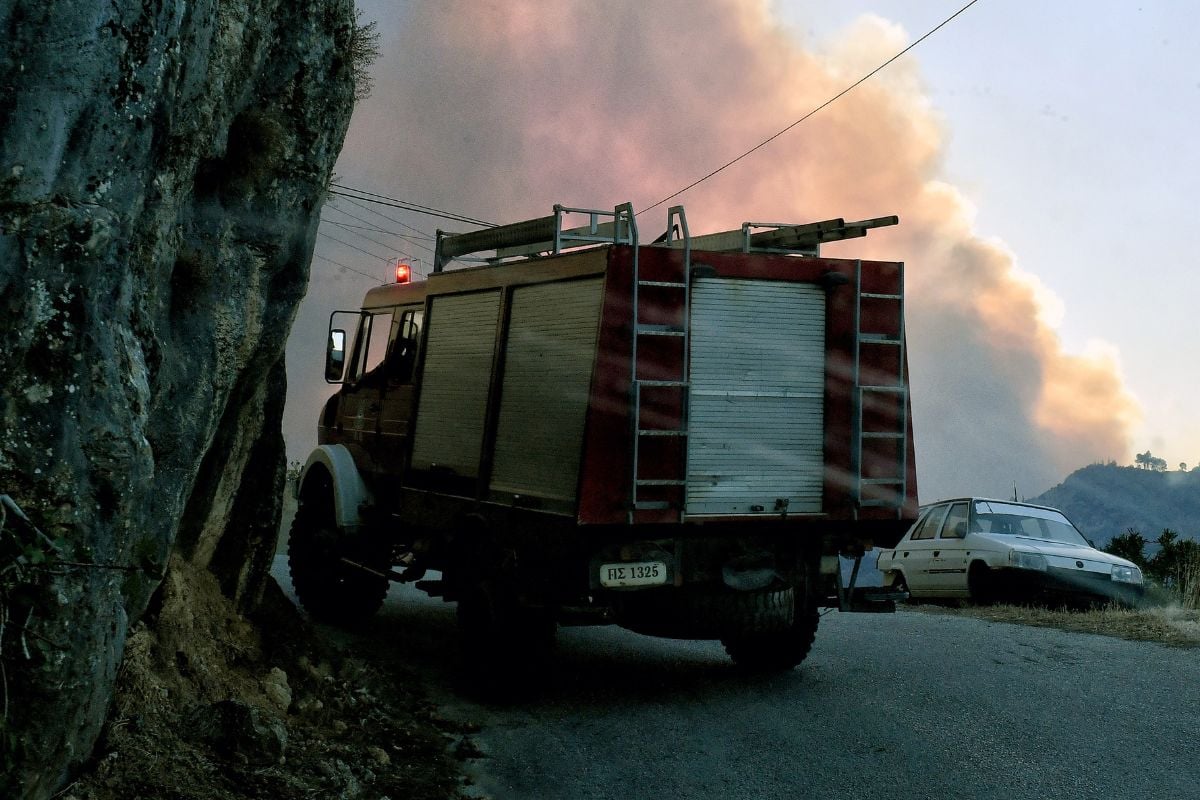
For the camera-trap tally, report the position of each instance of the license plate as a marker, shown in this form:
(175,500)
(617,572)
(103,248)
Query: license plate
(638,573)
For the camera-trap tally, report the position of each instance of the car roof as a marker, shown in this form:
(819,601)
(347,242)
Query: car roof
(986,500)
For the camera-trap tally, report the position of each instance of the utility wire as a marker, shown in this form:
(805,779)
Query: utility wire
(407,237)
(828,102)
(384,200)
(378,213)
(381,214)
(367,225)
(384,259)
(343,225)
(344,266)
(411,239)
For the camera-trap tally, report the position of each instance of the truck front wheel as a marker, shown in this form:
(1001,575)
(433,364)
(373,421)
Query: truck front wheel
(322,558)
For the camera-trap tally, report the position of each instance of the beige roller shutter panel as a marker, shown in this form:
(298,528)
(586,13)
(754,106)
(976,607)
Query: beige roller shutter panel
(455,381)
(547,377)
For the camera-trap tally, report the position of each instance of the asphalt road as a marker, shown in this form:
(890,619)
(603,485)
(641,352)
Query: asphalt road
(907,705)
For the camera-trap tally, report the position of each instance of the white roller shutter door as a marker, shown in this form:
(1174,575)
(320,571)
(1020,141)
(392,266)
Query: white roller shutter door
(756,414)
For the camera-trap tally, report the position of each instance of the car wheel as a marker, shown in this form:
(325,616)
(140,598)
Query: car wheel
(982,585)
(900,584)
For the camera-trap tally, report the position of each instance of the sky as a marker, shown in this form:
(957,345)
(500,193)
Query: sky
(1039,157)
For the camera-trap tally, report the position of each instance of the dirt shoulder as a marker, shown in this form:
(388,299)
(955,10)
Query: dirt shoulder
(215,707)
(1171,625)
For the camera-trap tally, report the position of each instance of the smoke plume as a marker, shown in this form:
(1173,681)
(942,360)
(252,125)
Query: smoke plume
(498,110)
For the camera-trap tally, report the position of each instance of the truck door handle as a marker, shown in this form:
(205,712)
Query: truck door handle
(936,553)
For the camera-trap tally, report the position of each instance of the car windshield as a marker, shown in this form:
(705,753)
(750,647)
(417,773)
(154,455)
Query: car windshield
(1010,519)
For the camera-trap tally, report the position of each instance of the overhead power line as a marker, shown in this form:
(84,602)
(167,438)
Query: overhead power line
(384,200)
(367,225)
(346,267)
(331,237)
(827,103)
(408,237)
(345,227)
(414,239)
(382,215)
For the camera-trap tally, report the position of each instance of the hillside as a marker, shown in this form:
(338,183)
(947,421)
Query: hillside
(1105,500)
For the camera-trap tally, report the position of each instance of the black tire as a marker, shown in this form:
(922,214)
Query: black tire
(778,650)
(982,585)
(329,589)
(900,584)
(506,649)
(680,614)
(506,643)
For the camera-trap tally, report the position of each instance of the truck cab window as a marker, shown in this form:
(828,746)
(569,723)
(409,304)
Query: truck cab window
(371,343)
(402,350)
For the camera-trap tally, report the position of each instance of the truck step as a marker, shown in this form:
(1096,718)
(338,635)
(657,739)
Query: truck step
(896,389)
(882,435)
(882,481)
(874,600)
(666,284)
(659,482)
(878,338)
(678,384)
(660,432)
(882,296)
(660,330)
(652,505)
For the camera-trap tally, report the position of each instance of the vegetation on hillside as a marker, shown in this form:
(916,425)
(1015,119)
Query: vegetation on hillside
(1173,570)
(1106,500)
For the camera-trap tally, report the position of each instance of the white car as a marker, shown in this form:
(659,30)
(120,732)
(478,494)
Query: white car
(990,550)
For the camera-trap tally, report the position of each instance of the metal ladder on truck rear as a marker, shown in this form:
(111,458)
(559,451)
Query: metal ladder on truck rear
(889,400)
(676,226)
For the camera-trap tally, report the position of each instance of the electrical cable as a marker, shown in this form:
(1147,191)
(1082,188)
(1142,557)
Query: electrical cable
(384,200)
(384,259)
(828,102)
(378,213)
(407,237)
(342,225)
(344,266)
(367,225)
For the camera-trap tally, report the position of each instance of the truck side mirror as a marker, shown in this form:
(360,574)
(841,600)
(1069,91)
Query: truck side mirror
(335,356)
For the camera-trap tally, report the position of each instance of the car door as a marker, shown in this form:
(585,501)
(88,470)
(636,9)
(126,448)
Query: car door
(913,557)
(948,558)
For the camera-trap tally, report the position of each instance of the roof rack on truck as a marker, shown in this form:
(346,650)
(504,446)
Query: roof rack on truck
(546,235)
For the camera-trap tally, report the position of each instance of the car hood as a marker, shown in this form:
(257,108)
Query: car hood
(1058,549)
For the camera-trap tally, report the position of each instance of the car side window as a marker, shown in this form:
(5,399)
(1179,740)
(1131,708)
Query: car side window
(933,520)
(956,522)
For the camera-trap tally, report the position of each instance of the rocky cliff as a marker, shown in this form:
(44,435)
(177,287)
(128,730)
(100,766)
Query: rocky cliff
(162,166)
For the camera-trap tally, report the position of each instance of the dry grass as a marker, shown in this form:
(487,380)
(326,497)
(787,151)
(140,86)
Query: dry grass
(1189,584)
(1170,625)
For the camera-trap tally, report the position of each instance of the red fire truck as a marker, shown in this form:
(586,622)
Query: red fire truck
(679,437)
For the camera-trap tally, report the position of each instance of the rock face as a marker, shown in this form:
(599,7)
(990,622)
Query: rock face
(162,166)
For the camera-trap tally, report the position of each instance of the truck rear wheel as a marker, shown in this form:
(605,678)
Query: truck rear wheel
(507,649)
(773,650)
(330,589)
